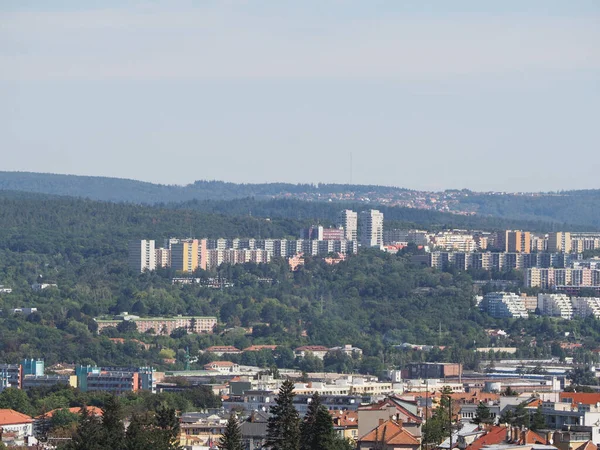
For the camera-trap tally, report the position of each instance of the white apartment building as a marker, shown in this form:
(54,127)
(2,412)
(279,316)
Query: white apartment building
(142,255)
(371,228)
(452,240)
(348,220)
(586,306)
(555,305)
(504,304)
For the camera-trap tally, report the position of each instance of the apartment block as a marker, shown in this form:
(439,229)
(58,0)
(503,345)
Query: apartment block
(503,304)
(371,228)
(184,255)
(163,257)
(142,255)
(162,325)
(348,221)
(552,278)
(559,241)
(586,306)
(518,241)
(555,305)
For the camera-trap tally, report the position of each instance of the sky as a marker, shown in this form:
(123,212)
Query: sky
(432,95)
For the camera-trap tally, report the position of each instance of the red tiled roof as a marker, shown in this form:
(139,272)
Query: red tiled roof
(75,410)
(391,433)
(12,417)
(531,437)
(494,436)
(220,364)
(581,397)
(589,445)
(256,348)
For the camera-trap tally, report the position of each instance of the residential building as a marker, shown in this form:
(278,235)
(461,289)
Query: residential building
(142,255)
(348,221)
(163,257)
(162,325)
(555,305)
(389,435)
(503,304)
(220,350)
(184,255)
(371,228)
(390,408)
(586,306)
(201,430)
(33,367)
(518,241)
(316,350)
(559,241)
(12,421)
(223,367)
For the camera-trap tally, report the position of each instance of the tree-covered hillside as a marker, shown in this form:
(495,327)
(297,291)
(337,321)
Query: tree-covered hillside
(575,207)
(326,213)
(374,300)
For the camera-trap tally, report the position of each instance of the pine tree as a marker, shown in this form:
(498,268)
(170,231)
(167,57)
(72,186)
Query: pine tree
(112,424)
(166,429)
(283,428)
(538,421)
(89,433)
(138,436)
(483,414)
(232,436)
(316,430)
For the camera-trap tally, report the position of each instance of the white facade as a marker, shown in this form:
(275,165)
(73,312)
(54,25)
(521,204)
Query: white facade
(503,304)
(586,306)
(371,228)
(142,255)
(555,305)
(348,220)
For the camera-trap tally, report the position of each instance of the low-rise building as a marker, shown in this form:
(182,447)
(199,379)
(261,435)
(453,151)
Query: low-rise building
(223,367)
(15,422)
(162,325)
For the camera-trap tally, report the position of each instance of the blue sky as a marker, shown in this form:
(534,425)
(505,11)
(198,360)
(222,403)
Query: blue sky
(425,95)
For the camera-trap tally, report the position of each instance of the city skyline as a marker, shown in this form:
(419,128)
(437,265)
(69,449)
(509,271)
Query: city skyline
(390,93)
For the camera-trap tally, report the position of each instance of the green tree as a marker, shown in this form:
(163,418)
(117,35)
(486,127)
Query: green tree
(439,426)
(167,429)
(89,434)
(316,430)
(538,421)
(483,414)
(232,436)
(112,423)
(283,428)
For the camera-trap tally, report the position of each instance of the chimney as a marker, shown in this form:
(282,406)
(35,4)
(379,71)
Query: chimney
(399,422)
(381,421)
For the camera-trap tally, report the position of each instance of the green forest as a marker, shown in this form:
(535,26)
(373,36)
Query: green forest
(567,209)
(375,301)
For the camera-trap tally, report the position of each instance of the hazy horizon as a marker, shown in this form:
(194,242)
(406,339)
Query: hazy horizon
(423,95)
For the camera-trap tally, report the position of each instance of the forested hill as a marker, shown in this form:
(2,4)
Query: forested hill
(562,209)
(125,190)
(326,214)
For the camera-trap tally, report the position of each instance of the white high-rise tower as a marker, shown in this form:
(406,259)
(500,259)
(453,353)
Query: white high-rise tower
(348,220)
(142,255)
(371,228)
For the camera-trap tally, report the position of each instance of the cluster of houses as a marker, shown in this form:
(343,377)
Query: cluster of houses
(375,413)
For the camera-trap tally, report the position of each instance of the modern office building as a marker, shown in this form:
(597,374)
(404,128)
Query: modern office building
(371,228)
(142,255)
(348,220)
